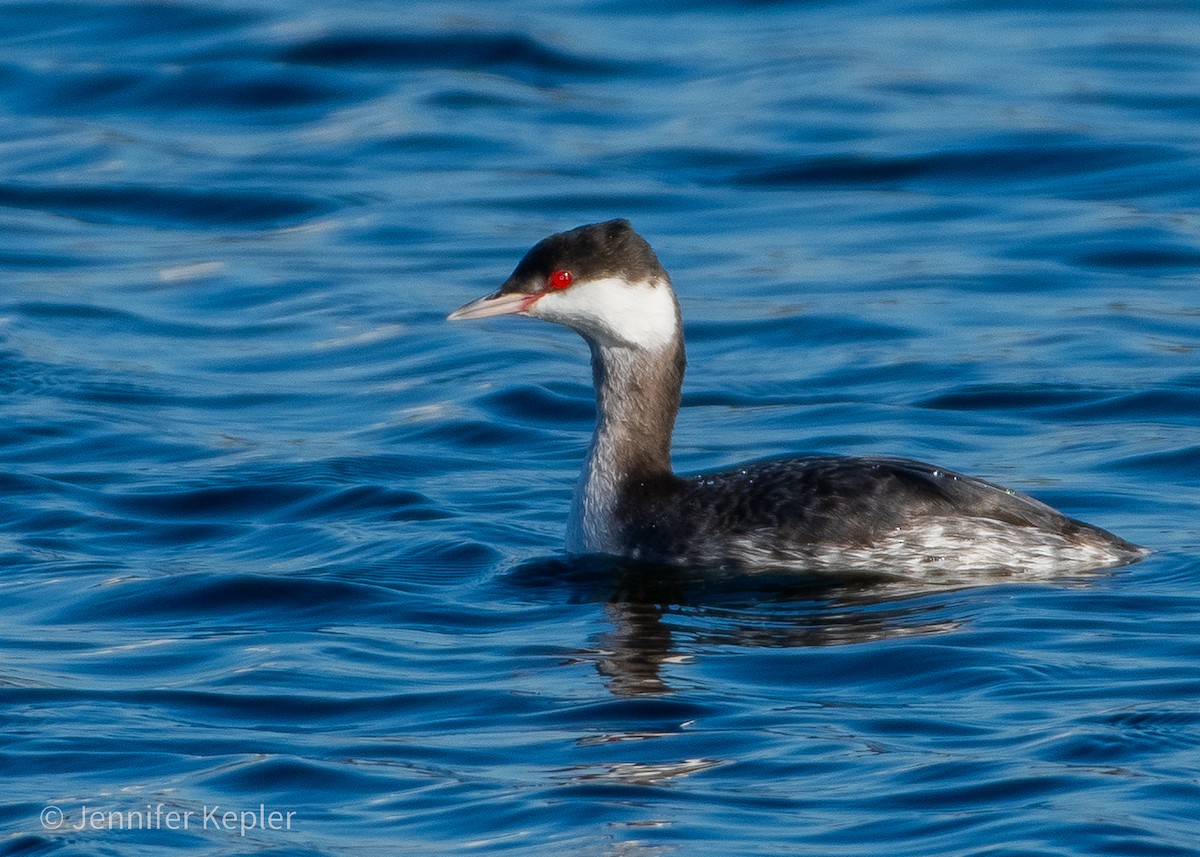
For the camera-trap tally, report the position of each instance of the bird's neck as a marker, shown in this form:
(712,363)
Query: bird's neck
(637,399)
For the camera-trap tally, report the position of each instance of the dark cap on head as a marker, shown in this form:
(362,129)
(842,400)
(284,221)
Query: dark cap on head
(591,252)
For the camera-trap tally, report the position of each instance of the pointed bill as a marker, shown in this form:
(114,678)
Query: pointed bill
(512,303)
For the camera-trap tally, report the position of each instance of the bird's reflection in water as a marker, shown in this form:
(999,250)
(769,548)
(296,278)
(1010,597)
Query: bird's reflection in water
(660,615)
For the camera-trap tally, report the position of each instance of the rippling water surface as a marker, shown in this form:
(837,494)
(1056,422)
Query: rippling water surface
(276,539)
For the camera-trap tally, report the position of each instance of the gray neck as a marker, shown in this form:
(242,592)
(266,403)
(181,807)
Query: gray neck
(637,398)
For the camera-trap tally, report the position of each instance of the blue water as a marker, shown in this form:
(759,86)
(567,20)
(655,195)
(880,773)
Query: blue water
(277,539)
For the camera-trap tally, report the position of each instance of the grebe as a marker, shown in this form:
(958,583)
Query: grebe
(813,513)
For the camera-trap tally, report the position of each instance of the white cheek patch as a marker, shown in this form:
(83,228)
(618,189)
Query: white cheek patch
(614,311)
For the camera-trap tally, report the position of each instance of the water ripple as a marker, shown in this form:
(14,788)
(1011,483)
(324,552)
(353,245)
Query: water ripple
(516,54)
(1022,162)
(155,204)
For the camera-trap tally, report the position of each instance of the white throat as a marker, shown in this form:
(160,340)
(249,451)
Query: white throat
(614,311)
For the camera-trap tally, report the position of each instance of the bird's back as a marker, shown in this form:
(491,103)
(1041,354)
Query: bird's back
(847,513)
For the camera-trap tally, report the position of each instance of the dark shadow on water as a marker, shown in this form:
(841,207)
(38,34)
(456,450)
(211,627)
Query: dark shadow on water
(611,579)
(661,613)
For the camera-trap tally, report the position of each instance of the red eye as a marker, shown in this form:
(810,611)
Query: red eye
(559,280)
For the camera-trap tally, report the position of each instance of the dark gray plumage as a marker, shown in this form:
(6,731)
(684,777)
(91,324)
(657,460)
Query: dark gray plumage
(802,507)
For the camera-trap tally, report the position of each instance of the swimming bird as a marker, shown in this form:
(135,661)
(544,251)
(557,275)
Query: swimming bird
(812,513)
